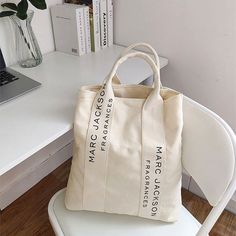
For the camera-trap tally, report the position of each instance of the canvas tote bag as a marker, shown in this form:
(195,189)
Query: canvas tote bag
(127,151)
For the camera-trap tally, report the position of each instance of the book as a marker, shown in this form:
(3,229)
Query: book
(68,28)
(103,23)
(83,25)
(80,30)
(94,19)
(87,30)
(110,22)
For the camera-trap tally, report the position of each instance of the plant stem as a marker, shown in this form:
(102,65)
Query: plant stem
(28,45)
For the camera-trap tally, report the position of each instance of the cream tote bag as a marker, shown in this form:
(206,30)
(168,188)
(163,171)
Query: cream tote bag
(127,151)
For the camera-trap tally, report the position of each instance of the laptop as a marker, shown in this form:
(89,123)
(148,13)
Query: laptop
(13,83)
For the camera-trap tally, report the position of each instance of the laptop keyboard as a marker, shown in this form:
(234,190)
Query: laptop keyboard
(6,78)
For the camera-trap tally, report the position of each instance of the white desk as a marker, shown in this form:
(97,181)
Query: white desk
(33,121)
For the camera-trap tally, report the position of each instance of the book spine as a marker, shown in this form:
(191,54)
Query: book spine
(87,30)
(91,31)
(103,22)
(110,22)
(80,30)
(96,25)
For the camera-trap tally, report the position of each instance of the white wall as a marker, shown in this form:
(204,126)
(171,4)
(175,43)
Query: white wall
(42,28)
(199,39)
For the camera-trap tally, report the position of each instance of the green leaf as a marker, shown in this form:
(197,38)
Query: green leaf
(40,4)
(6,13)
(22,17)
(22,8)
(11,6)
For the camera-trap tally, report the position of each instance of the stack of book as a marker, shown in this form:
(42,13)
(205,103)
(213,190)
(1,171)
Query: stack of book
(82,26)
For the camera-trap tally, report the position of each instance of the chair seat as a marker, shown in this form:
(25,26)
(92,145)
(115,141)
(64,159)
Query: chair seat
(76,223)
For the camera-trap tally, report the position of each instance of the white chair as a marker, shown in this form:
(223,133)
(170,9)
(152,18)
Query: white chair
(209,148)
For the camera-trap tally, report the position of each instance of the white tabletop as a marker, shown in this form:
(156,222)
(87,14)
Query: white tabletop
(32,121)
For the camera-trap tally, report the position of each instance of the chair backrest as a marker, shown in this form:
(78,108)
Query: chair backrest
(209,148)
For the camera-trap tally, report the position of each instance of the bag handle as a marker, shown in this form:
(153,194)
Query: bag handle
(146,45)
(144,56)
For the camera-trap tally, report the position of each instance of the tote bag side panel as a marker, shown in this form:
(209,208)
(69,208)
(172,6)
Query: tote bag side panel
(74,192)
(171,194)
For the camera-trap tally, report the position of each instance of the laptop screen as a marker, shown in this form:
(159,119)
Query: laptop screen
(2,61)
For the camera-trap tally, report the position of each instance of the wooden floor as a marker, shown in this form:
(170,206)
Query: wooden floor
(28,215)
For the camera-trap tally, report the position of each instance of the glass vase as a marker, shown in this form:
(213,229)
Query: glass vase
(27,48)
